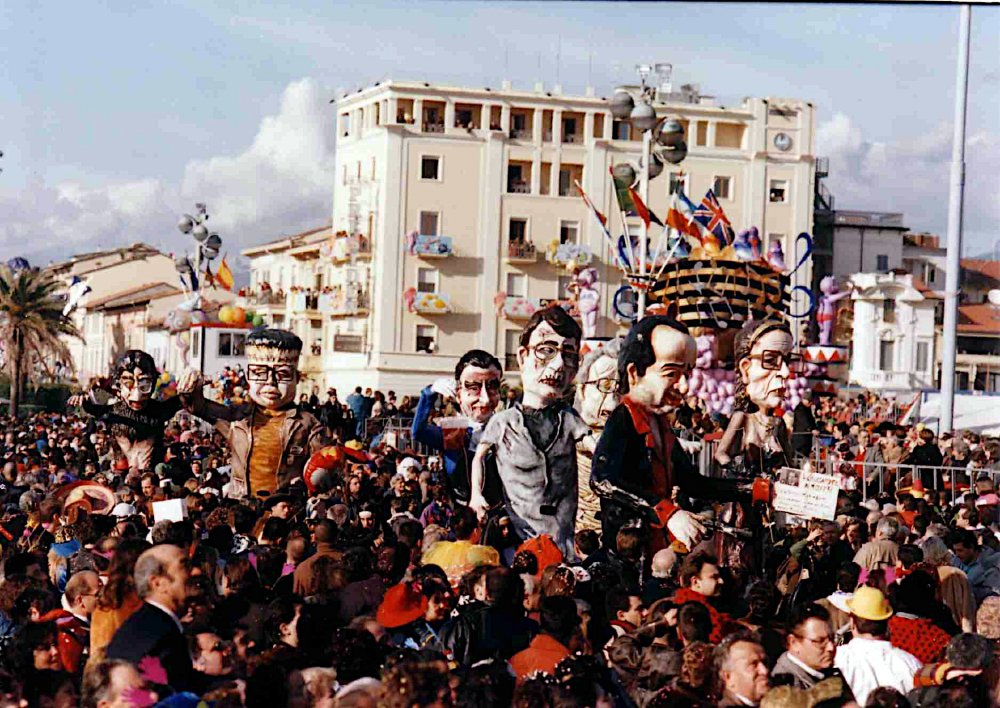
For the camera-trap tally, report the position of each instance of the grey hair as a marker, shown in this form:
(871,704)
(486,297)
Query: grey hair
(724,649)
(888,527)
(935,550)
(610,348)
(29,501)
(149,566)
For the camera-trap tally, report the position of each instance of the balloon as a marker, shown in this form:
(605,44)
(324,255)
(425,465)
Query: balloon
(257,321)
(225,314)
(239,315)
(249,318)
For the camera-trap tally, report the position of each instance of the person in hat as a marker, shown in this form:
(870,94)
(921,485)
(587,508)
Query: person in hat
(869,660)
(136,420)
(283,436)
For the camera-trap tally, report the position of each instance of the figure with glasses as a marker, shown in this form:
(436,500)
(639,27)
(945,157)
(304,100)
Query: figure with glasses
(476,387)
(534,441)
(270,438)
(136,420)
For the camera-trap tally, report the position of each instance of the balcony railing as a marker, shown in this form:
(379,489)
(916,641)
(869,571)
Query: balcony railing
(572,138)
(433,127)
(266,298)
(518,251)
(348,301)
(520,134)
(519,188)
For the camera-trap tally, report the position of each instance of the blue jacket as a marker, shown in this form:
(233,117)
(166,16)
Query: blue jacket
(453,446)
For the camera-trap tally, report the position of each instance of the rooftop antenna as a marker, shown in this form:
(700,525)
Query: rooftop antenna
(558,57)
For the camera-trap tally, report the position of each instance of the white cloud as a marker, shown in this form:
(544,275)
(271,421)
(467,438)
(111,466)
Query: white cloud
(911,176)
(280,184)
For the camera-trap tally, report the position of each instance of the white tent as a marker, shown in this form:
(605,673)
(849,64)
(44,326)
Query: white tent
(980,413)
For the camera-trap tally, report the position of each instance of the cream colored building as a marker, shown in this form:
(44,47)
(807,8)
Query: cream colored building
(482,175)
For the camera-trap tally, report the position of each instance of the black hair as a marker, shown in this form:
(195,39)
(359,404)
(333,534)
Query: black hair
(969,651)
(558,617)
(965,537)
(558,319)
(637,348)
(803,613)
(848,576)
(587,541)
(135,359)
(694,622)
(617,599)
(274,529)
(478,358)
(909,555)
(280,339)
(876,628)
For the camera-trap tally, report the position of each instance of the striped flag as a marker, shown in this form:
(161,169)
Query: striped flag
(644,212)
(680,217)
(590,205)
(224,276)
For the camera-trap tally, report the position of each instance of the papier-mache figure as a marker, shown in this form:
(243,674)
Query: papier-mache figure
(270,438)
(476,386)
(535,441)
(638,456)
(136,421)
(756,443)
(596,397)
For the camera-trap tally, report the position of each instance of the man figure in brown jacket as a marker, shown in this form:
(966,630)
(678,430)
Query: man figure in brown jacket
(305,582)
(270,438)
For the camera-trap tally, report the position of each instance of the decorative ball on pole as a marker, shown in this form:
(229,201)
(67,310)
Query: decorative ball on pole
(655,165)
(625,173)
(671,133)
(622,104)
(643,116)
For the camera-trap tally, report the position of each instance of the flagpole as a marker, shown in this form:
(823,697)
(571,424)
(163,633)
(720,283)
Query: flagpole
(647,140)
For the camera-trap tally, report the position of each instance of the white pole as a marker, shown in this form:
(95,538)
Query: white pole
(647,142)
(955,199)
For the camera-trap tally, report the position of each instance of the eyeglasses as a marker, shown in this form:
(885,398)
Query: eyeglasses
(220,646)
(772,359)
(817,641)
(143,384)
(544,353)
(263,372)
(605,385)
(476,387)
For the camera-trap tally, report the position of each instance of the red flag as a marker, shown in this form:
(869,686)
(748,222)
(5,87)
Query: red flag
(586,200)
(642,210)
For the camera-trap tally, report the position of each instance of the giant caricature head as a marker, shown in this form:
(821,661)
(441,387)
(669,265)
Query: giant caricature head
(477,381)
(549,356)
(763,353)
(597,383)
(272,366)
(135,376)
(654,363)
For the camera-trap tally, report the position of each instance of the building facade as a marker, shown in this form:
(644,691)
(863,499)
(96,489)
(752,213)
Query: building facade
(447,200)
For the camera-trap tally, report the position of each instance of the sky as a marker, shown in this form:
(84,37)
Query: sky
(116,117)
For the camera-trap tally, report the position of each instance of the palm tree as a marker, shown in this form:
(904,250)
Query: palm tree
(31,322)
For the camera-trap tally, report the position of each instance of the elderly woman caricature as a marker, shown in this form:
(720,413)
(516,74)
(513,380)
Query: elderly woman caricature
(756,441)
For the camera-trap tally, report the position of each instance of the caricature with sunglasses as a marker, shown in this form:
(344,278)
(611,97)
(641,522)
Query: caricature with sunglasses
(136,420)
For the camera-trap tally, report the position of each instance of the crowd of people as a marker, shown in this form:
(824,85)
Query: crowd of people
(387,577)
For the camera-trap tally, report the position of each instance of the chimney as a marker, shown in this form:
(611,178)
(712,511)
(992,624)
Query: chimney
(506,85)
(539,87)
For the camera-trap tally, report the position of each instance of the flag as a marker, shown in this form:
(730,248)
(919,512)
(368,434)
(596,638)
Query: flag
(590,205)
(642,210)
(622,190)
(710,215)
(224,276)
(680,217)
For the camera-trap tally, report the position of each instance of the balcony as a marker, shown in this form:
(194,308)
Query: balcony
(516,307)
(433,127)
(822,166)
(346,248)
(886,380)
(432,247)
(432,304)
(520,252)
(349,343)
(515,187)
(351,300)
(267,298)
(520,134)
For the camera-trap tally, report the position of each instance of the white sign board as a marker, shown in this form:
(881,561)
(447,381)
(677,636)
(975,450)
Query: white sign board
(814,497)
(169,510)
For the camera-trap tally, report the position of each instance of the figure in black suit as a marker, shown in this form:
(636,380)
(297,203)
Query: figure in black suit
(154,630)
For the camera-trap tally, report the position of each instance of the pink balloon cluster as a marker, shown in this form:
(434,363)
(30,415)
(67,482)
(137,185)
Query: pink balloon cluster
(794,390)
(713,385)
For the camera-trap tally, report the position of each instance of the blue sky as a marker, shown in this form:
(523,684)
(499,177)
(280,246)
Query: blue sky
(115,118)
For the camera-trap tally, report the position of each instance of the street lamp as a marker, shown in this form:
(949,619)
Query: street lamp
(208,242)
(667,136)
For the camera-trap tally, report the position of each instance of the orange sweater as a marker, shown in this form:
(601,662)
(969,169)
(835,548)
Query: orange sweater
(104,623)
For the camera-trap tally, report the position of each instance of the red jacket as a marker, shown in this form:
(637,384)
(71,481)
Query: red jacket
(722,624)
(919,636)
(74,639)
(542,655)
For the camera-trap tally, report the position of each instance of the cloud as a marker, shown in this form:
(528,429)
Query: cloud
(280,184)
(911,175)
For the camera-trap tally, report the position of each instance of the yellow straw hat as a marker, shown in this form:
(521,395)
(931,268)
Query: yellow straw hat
(870,604)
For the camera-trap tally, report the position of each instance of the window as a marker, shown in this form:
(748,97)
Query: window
(569,231)
(885,355)
(373,168)
(722,187)
(565,183)
(511,339)
(701,133)
(517,285)
(518,230)
(889,311)
(427,280)
(620,130)
(882,263)
(923,352)
(517,183)
(425,339)
(519,124)
(568,129)
(678,182)
(778,193)
(930,273)
(429,221)
(463,118)
(430,167)
(564,282)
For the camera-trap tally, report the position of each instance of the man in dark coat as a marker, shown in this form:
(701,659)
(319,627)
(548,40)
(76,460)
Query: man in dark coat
(152,637)
(803,425)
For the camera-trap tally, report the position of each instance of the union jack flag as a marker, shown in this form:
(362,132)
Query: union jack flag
(710,215)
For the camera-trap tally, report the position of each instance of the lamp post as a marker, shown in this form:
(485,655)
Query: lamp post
(208,242)
(667,135)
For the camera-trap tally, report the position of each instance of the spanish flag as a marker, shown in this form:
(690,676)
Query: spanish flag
(224,276)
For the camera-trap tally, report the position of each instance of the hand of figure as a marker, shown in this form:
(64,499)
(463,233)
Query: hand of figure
(189,382)
(75,400)
(686,528)
(444,387)
(478,504)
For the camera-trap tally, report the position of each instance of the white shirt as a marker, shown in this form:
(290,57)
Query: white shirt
(868,664)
